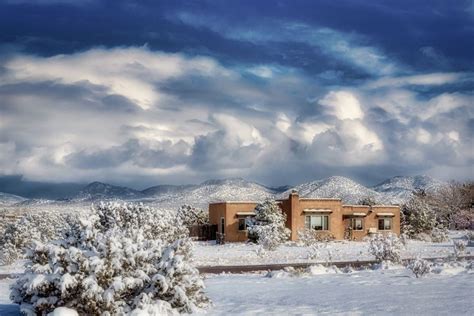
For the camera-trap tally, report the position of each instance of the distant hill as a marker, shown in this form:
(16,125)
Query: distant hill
(201,195)
(103,191)
(7,199)
(336,187)
(395,190)
(399,189)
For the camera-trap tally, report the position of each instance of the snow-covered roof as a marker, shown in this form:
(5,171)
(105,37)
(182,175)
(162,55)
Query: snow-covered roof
(235,202)
(245,213)
(385,214)
(322,199)
(316,210)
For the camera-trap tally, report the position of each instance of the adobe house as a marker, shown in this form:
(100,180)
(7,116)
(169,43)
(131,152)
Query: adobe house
(328,216)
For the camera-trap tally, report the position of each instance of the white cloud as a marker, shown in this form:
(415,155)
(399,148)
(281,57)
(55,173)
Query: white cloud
(306,131)
(423,136)
(453,135)
(342,104)
(130,72)
(432,79)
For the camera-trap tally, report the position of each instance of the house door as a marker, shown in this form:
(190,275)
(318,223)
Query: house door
(222,225)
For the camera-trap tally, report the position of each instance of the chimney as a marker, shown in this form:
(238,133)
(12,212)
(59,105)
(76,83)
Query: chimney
(294,201)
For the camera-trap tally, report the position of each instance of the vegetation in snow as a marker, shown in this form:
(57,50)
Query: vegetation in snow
(41,226)
(420,267)
(123,259)
(268,226)
(190,216)
(385,247)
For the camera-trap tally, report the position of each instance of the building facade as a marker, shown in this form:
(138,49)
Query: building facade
(325,216)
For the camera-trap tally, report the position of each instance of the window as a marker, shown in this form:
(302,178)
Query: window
(317,222)
(385,223)
(356,224)
(242,224)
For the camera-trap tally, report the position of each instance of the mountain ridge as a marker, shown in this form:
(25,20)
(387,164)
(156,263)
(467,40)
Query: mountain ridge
(394,190)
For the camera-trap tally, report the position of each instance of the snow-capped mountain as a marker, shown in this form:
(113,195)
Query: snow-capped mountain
(336,187)
(392,191)
(399,189)
(7,199)
(215,190)
(98,190)
(165,189)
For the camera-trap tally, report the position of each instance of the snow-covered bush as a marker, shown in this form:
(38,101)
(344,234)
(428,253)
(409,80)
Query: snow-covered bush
(418,217)
(42,226)
(107,265)
(307,237)
(314,251)
(439,235)
(189,215)
(385,247)
(470,238)
(155,224)
(404,239)
(463,219)
(459,247)
(420,267)
(268,225)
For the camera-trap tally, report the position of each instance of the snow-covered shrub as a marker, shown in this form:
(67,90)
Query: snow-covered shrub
(307,237)
(385,247)
(459,247)
(439,235)
(419,267)
(470,238)
(368,200)
(324,236)
(189,215)
(314,251)
(404,239)
(155,224)
(107,265)
(418,217)
(42,226)
(268,225)
(463,219)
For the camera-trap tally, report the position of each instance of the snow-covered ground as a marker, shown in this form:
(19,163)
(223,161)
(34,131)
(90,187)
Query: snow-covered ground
(447,290)
(210,254)
(375,292)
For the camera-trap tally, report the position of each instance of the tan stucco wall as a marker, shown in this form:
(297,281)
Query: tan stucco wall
(229,210)
(371,220)
(335,218)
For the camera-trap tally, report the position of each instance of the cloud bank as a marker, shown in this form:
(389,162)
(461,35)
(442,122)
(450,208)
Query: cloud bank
(302,100)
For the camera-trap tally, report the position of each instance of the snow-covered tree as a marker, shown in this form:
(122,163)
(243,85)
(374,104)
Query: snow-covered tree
(385,247)
(42,226)
(417,216)
(420,267)
(268,225)
(189,215)
(107,265)
(368,200)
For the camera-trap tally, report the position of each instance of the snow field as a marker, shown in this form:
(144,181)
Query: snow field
(321,290)
(209,254)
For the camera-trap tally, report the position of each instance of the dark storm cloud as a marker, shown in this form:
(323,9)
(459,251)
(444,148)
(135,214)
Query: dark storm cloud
(181,91)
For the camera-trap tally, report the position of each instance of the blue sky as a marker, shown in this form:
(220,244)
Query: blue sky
(279,92)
